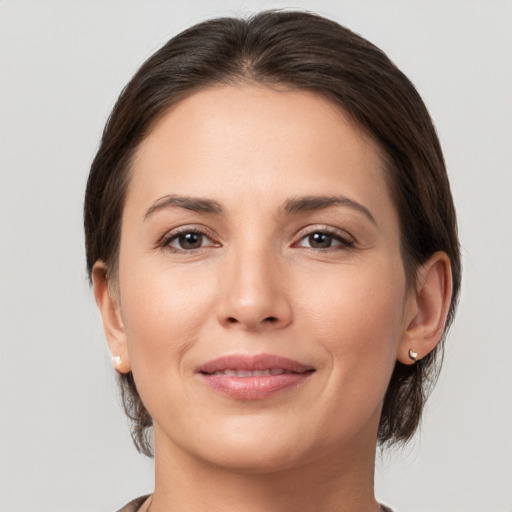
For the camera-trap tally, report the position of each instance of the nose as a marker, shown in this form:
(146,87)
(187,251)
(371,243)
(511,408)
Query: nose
(254,293)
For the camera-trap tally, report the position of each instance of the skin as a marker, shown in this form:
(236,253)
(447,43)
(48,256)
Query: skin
(256,284)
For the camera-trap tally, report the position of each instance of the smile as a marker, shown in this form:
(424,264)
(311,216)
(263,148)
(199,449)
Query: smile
(249,373)
(258,377)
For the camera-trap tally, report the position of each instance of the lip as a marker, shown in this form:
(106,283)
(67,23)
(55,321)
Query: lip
(274,374)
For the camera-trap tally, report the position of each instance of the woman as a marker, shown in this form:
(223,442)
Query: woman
(272,243)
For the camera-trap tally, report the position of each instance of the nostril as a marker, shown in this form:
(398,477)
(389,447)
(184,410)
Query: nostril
(269,319)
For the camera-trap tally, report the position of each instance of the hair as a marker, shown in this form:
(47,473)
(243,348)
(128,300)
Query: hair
(301,51)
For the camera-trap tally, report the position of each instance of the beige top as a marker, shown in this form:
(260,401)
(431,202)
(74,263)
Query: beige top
(134,505)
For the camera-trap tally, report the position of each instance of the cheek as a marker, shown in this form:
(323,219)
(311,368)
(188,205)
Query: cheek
(356,318)
(356,313)
(163,311)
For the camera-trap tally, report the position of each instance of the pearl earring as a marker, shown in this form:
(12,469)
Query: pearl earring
(116,360)
(413,355)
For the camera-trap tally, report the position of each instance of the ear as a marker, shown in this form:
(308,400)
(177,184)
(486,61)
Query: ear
(429,304)
(108,303)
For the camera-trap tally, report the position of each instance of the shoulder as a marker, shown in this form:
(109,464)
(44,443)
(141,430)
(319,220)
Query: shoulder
(134,505)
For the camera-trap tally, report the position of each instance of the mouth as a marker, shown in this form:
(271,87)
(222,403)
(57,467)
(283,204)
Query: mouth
(248,373)
(253,377)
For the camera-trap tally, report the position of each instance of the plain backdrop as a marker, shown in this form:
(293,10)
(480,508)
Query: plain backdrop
(65,444)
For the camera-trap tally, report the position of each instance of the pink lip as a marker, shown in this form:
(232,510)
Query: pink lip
(253,387)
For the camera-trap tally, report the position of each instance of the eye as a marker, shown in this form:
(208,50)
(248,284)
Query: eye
(187,240)
(325,239)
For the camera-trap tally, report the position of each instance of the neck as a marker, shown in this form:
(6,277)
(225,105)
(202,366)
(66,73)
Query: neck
(337,481)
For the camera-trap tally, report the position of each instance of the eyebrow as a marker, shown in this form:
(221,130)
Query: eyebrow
(196,204)
(307,203)
(294,205)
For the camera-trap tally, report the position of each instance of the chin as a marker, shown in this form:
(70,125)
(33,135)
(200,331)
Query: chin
(242,447)
(256,459)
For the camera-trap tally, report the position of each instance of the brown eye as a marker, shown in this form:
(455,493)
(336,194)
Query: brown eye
(187,241)
(320,240)
(190,240)
(325,240)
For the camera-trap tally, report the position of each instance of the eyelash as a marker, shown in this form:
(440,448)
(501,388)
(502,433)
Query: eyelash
(165,242)
(345,242)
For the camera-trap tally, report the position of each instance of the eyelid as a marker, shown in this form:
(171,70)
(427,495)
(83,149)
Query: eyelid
(346,239)
(163,241)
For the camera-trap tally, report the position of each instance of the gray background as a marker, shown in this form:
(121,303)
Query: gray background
(64,440)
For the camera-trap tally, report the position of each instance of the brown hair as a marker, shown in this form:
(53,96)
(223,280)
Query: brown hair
(301,51)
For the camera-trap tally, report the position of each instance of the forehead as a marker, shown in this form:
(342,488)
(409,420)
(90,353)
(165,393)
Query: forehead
(228,142)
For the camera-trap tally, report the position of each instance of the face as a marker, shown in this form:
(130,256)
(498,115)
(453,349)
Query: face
(261,292)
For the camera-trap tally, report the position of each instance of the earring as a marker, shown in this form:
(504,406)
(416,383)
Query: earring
(413,355)
(116,360)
